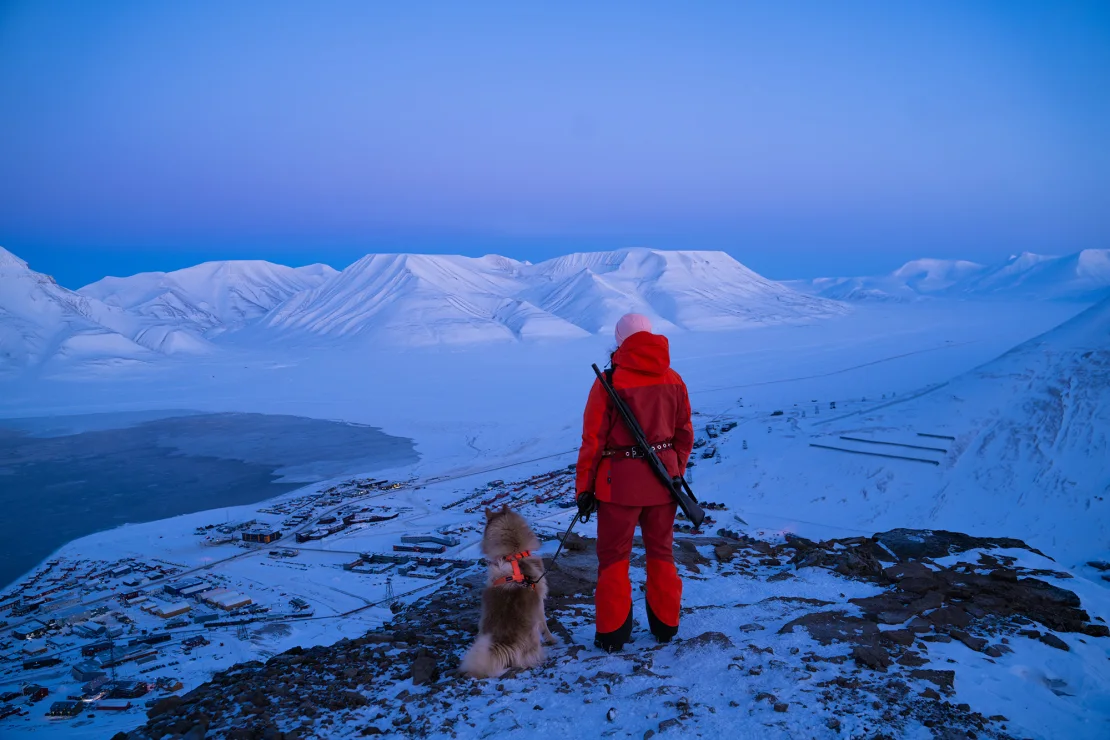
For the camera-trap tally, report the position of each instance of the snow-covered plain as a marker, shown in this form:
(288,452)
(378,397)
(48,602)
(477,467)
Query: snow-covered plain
(1025,402)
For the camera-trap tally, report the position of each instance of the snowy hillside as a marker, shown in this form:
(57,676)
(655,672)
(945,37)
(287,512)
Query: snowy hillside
(431,299)
(1021,444)
(209,297)
(1083,276)
(41,321)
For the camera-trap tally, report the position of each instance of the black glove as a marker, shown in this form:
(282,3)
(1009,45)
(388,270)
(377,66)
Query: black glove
(587,505)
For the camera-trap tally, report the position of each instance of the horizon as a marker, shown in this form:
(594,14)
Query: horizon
(144,138)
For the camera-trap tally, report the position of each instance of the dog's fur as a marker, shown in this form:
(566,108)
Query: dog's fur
(513,622)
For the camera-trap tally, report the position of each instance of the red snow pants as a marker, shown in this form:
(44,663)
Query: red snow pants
(616,525)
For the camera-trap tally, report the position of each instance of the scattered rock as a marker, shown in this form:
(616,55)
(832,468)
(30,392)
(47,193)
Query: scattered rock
(705,639)
(783,575)
(978,644)
(725,552)
(916,544)
(911,659)
(833,724)
(871,656)
(163,706)
(834,626)
(898,637)
(942,679)
(1096,630)
(782,707)
(669,723)
(1054,641)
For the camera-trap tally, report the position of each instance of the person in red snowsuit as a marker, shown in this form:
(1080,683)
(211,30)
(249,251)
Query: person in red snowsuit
(611,471)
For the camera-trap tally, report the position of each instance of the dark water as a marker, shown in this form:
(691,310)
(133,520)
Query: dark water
(98,472)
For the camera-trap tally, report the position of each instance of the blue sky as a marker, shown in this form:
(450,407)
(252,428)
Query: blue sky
(804,138)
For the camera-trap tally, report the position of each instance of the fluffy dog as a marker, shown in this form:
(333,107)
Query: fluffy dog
(513,623)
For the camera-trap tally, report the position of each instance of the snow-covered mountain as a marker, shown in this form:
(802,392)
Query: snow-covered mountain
(431,299)
(688,290)
(40,320)
(1083,276)
(210,297)
(413,299)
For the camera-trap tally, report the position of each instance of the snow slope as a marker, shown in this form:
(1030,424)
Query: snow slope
(426,299)
(1083,276)
(1024,448)
(410,299)
(41,321)
(209,297)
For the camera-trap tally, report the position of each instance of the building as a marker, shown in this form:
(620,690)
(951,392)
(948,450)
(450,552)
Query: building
(65,709)
(29,632)
(113,705)
(262,536)
(35,693)
(34,648)
(194,642)
(179,588)
(127,689)
(88,670)
(95,685)
(165,611)
(120,656)
(30,665)
(92,649)
(194,590)
(231,601)
(210,596)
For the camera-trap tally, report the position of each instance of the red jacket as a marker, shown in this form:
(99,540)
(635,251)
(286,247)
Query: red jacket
(659,401)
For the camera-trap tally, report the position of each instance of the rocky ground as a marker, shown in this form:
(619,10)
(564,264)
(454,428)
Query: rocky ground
(885,637)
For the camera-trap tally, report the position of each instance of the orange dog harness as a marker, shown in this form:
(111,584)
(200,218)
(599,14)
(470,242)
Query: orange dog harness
(517,576)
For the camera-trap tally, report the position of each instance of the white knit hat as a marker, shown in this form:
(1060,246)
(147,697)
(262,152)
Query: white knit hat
(629,324)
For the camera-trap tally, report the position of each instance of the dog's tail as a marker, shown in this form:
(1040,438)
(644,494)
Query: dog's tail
(484,659)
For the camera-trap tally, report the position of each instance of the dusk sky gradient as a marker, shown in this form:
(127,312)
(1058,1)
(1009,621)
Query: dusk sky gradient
(804,138)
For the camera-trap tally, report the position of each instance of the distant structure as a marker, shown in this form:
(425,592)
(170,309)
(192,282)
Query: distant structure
(262,536)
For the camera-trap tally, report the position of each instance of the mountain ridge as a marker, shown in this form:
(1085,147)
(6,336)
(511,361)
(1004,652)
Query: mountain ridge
(1081,276)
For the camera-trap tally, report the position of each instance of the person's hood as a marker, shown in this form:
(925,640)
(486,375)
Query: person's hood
(644,352)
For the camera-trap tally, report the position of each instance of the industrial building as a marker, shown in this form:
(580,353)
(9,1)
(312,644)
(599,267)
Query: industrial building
(179,588)
(165,611)
(231,601)
(262,536)
(88,670)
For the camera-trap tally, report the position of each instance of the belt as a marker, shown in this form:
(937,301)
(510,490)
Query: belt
(636,452)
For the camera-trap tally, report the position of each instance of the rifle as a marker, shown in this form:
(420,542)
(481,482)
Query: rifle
(678,486)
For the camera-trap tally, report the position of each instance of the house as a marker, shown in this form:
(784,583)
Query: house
(65,709)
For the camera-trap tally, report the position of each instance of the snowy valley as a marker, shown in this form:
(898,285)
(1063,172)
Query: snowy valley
(839,440)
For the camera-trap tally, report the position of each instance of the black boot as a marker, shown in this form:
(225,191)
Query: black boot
(613,642)
(662,632)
